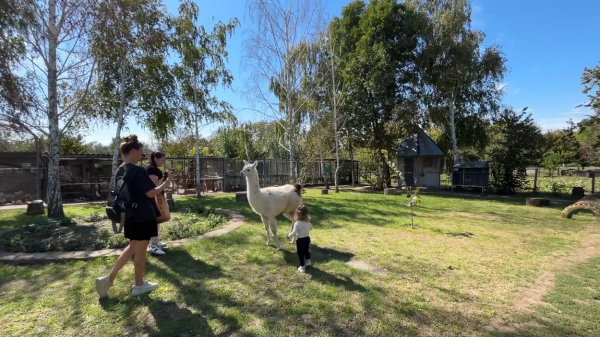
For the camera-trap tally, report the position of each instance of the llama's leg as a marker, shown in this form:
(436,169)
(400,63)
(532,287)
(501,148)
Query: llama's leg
(291,217)
(265,221)
(291,229)
(273,225)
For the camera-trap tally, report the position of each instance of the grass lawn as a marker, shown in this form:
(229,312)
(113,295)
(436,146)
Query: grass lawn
(17,217)
(474,267)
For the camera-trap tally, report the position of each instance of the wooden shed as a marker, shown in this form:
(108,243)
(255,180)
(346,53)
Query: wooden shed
(419,160)
(471,174)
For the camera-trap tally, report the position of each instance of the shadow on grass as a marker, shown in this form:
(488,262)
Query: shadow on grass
(324,255)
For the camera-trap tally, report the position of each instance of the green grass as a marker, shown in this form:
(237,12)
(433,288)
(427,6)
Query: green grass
(436,280)
(17,217)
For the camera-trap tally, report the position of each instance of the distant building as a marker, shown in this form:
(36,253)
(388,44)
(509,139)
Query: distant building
(420,160)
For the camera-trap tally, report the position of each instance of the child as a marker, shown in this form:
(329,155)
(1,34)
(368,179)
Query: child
(301,228)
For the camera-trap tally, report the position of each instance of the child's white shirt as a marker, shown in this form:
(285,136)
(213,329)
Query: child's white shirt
(301,229)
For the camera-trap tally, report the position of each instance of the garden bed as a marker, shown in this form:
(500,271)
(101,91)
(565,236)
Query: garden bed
(95,232)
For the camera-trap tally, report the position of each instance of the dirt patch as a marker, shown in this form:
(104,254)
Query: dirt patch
(366,267)
(530,297)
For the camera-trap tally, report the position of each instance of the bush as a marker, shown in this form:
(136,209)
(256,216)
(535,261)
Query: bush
(191,225)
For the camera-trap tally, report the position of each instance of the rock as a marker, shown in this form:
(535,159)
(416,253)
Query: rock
(324,191)
(18,202)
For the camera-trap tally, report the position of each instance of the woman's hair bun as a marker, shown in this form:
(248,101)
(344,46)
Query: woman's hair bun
(131,139)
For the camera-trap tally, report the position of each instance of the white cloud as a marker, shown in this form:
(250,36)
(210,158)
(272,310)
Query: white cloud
(579,111)
(476,7)
(556,123)
(501,86)
(517,91)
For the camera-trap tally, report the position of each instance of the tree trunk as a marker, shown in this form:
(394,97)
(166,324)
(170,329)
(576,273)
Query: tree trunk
(292,143)
(452,111)
(197,134)
(120,122)
(322,163)
(337,152)
(351,160)
(53,195)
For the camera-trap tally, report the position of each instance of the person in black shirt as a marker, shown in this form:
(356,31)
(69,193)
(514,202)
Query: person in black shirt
(140,191)
(157,159)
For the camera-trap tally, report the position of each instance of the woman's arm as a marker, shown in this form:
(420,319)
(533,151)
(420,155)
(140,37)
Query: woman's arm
(156,191)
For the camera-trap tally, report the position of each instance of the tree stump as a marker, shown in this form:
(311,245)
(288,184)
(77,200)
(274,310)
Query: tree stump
(390,191)
(577,192)
(241,197)
(537,202)
(35,207)
(324,191)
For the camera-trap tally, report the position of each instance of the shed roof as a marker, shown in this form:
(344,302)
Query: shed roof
(418,144)
(472,164)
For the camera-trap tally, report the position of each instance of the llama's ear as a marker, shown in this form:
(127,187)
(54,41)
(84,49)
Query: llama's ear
(255,164)
(246,163)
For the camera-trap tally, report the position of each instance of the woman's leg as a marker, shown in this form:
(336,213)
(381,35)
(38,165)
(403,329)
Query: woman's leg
(139,261)
(122,260)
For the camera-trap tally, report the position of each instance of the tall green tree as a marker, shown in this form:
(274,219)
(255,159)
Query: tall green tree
(588,137)
(591,87)
(202,69)
(516,143)
(460,76)
(378,43)
(130,41)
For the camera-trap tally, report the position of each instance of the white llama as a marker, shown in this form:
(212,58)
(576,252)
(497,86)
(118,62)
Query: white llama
(271,201)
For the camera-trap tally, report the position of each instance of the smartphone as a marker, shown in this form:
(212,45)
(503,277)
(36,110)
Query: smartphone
(166,175)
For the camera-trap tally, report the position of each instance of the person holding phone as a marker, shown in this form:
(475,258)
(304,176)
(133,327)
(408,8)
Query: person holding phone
(135,185)
(157,160)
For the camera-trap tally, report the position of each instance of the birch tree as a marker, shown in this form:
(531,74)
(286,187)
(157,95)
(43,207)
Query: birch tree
(202,69)
(130,42)
(57,71)
(336,96)
(277,27)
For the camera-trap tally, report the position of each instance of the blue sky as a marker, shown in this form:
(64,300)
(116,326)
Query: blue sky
(548,43)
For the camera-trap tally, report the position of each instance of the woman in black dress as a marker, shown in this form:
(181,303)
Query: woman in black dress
(157,159)
(141,226)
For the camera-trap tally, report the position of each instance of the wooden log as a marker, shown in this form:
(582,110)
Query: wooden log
(35,207)
(324,191)
(241,197)
(537,202)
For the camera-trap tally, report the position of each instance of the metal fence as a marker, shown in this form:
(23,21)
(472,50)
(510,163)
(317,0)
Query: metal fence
(223,174)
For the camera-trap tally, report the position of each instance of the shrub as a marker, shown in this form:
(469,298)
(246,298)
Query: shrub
(191,225)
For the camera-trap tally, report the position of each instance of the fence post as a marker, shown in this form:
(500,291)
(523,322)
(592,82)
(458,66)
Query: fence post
(593,182)
(535,177)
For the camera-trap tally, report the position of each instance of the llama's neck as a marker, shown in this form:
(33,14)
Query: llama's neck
(253,187)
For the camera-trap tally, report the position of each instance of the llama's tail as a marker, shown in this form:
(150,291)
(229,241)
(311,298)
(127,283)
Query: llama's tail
(298,189)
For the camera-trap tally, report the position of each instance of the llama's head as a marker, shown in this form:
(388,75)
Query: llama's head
(249,170)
